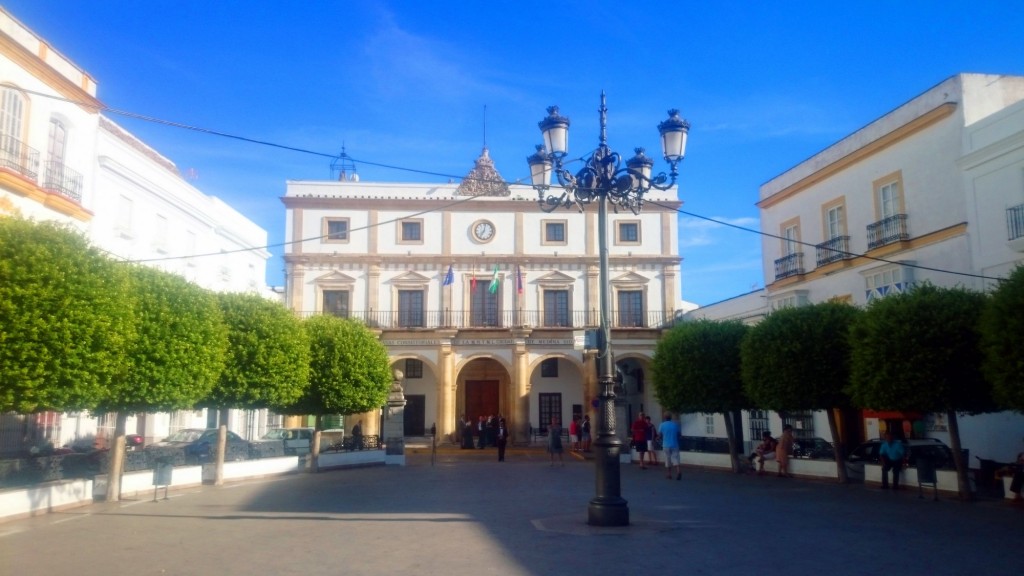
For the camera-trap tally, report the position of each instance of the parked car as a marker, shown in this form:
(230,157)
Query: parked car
(816,448)
(867,453)
(199,445)
(294,441)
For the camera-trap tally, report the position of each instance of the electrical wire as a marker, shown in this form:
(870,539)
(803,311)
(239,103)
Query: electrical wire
(134,115)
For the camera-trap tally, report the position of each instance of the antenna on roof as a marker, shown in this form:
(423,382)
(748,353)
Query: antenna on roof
(343,168)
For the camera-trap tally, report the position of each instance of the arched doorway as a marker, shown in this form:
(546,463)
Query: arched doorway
(483,389)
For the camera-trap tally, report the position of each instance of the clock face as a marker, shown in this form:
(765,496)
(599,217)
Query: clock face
(483,230)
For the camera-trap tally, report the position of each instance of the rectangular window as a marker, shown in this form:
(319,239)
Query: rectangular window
(879,284)
(413,368)
(160,234)
(835,225)
(125,207)
(335,229)
(709,424)
(554,232)
(550,406)
(556,308)
(790,239)
(57,145)
(549,368)
(411,232)
(483,305)
(627,233)
(889,200)
(631,308)
(336,303)
(410,308)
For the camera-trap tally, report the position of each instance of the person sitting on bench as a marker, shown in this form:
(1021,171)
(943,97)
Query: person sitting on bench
(764,451)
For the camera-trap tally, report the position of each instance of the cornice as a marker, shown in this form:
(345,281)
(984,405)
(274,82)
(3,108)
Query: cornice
(44,72)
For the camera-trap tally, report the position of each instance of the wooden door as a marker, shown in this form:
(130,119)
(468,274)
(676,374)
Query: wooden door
(481,398)
(415,408)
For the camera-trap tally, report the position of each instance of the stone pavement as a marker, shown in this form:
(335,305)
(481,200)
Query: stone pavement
(468,514)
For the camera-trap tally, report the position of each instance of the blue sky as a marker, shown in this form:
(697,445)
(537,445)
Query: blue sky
(764,85)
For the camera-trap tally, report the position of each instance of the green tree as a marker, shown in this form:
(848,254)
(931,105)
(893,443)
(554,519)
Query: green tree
(1002,331)
(696,368)
(64,324)
(349,372)
(799,359)
(349,368)
(920,351)
(267,363)
(175,357)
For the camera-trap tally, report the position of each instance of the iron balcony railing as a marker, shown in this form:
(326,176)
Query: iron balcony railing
(833,250)
(575,319)
(57,177)
(887,231)
(1015,222)
(792,265)
(16,156)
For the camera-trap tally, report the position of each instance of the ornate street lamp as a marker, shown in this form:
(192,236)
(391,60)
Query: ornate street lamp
(604,181)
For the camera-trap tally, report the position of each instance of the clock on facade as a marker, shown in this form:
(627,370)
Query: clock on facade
(483,230)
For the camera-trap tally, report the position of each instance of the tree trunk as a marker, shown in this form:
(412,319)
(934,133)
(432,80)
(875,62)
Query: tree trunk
(116,463)
(730,433)
(963,487)
(222,441)
(314,451)
(837,446)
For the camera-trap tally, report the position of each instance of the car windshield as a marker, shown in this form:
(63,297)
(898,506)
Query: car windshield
(184,436)
(276,435)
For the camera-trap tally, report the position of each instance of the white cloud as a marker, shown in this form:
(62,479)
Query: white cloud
(695,232)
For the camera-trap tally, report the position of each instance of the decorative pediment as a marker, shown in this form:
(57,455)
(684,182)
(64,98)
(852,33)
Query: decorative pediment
(555,278)
(483,179)
(631,278)
(335,278)
(410,279)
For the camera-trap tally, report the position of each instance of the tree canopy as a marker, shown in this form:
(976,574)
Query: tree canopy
(920,351)
(178,349)
(696,367)
(64,321)
(267,363)
(349,368)
(798,358)
(1002,331)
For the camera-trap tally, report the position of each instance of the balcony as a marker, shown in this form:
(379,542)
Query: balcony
(1015,222)
(16,156)
(888,231)
(792,265)
(534,319)
(62,180)
(833,250)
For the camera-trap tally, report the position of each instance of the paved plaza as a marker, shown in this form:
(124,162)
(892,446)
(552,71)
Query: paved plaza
(467,514)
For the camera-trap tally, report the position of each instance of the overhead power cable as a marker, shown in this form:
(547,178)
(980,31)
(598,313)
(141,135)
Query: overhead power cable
(211,132)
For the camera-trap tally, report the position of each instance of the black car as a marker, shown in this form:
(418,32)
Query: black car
(931,448)
(198,445)
(814,448)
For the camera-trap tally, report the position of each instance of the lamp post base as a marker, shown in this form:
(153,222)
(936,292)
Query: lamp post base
(608,512)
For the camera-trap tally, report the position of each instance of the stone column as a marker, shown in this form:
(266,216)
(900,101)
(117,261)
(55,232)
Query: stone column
(446,391)
(394,423)
(520,389)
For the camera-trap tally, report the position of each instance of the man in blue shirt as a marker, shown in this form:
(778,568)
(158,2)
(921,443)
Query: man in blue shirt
(891,452)
(669,432)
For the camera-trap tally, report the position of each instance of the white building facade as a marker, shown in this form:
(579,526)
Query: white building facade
(62,160)
(932,191)
(480,297)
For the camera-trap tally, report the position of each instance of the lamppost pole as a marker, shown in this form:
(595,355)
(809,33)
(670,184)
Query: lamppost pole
(603,181)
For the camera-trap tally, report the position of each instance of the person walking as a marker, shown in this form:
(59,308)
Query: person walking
(639,434)
(585,427)
(891,452)
(651,433)
(783,449)
(555,441)
(502,439)
(357,436)
(668,431)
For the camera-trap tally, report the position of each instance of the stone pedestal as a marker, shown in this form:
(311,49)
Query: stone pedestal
(394,424)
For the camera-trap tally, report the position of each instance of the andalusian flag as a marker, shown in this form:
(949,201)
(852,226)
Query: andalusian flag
(493,288)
